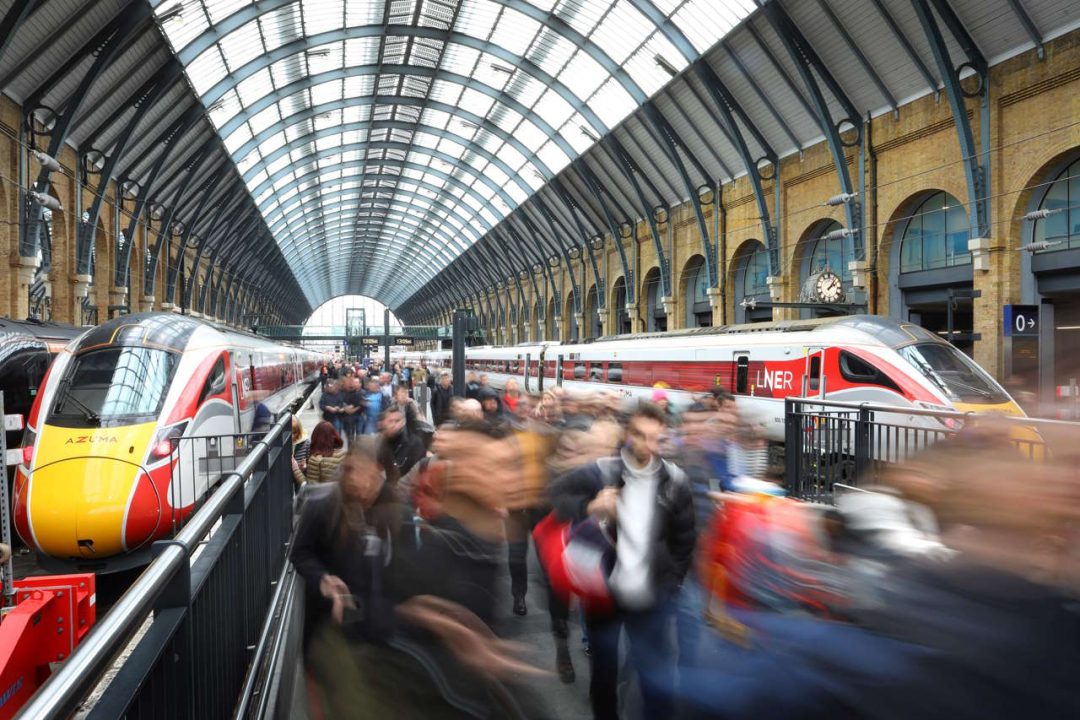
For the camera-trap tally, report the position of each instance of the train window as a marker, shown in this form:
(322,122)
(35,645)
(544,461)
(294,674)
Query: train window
(855,369)
(815,372)
(614,372)
(596,372)
(215,381)
(579,371)
(114,383)
(742,374)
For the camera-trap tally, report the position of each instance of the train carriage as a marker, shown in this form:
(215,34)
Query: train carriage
(856,358)
(100,460)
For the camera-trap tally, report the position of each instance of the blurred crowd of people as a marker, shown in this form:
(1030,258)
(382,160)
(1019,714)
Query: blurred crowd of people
(947,588)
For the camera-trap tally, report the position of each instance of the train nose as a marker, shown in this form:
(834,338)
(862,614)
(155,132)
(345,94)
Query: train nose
(91,507)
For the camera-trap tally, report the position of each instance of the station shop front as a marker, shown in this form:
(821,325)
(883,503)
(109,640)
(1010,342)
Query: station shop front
(1050,281)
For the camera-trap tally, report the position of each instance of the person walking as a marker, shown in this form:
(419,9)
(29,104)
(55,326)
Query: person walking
(647,505)
(440,400)
(327,452)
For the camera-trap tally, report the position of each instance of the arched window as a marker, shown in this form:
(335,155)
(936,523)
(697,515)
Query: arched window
(936,235)
(756,274)
(1062,227)
(835,253)
(698,310)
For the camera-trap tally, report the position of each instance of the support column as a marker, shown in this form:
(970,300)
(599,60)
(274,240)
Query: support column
(80,288)
(147,303)
(579,318)
(24,271)
(716,302)
(671,310)
(117,297)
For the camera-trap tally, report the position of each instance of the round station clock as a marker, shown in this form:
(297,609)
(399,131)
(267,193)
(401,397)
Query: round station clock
(829,287)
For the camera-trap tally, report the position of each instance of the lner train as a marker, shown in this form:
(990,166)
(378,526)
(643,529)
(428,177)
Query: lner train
(102,443)
(858,358)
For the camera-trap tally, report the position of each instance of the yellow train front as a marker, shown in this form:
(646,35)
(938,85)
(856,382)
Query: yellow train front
(95,487)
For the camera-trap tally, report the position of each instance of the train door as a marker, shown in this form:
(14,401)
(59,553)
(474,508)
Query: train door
(234,390)
(814,372)
(740,382)
(528,372)
(540,371)
(558,370)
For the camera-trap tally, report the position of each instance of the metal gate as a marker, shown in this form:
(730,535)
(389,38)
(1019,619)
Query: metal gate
(829,442)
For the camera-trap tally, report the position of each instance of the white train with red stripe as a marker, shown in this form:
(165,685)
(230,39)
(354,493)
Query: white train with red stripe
(102,452)
(859,358)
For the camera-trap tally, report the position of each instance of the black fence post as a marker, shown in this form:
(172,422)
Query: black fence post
(792,445)
(863,459)
(181,652)
(458,353)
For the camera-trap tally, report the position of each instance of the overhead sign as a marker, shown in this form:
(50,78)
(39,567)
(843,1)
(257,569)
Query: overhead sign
(1021,321)
(395,340)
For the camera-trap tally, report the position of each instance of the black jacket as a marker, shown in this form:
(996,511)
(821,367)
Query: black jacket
(402,451)
(440,404)
(674,525)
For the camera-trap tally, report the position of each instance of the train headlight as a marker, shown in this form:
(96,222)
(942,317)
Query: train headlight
(165,441)
(29,437)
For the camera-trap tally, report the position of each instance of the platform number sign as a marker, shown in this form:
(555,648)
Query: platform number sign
(1021,321)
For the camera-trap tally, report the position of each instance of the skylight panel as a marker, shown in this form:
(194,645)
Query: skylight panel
(326,92)
(288,70)
(207,70)
(552,108)
(571,132)
(500,178)
(278,164)
(524,88)
(623,30)
(459,59)
(325,143)
(322,15)
(553,156)
(551,51)
(504,117)
(446,92)
(514,32)
(583,75)
(529,135)
(224,109)
(643,68)
(361,51)
(612,103)
(237,139)
(435,118)
(477,18)
(580,15)
(511,157)
(359,14)
(262,120)
(242,45)
(255,87)
(221,9)
(180,34)
(515,191)
(490,216)
(475,102)
(358,86)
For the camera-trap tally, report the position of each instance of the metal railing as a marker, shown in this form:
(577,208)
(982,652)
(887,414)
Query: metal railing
(829,443)
(202,600)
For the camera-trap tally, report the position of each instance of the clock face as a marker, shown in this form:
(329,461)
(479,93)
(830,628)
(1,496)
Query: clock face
(830,288)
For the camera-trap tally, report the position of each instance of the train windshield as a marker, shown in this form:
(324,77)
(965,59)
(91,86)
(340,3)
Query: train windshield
(118,383)
(954,373)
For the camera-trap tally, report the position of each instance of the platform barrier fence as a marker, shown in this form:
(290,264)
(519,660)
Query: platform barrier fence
(200,605)
(830,443)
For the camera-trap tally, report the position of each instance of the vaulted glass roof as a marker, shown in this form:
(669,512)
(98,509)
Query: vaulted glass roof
(382,139)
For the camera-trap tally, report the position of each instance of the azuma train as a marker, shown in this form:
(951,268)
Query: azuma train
(857,358)
(96,485)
